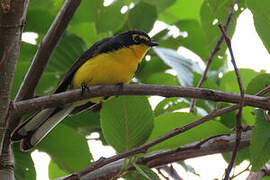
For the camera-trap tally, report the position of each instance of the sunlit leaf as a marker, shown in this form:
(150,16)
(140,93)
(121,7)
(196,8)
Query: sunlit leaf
(126,121)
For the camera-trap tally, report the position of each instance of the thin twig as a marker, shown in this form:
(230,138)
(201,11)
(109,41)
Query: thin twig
(59,99)
(213,53)
(241,172)
(171,171)
(241,104)
(161,173)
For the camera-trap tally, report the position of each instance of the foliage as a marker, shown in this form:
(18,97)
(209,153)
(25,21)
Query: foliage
(127,122)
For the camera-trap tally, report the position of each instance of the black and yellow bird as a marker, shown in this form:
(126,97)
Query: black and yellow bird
(112,60)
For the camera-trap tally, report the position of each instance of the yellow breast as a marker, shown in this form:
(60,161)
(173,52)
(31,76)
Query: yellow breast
(110,68)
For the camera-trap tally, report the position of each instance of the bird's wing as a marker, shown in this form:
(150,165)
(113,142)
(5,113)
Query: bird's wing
(88,54)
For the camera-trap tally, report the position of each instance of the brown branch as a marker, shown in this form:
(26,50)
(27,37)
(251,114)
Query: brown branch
(143,148)
(214,52)
(12,18)
(156,159)
(105,161)
(34,104)
(241,104)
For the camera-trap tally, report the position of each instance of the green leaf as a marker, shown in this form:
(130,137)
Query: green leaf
(229,81)
(167,122)
(38,20)
(146,172)
(229,119)
(147,68)
(126,121)
(24,165)
(184,67)
(55,172)
(161,4)
(21,70)
(27,52)
(261,17)
(84,122)
(213,13)
(258,83)
(260,141)
(67,51)
(196,40)
(182,9)
(242,155)
(209,83)
(67,148)
(86,12)
(142,17)
(47,84)
(170,104)
(161,78)
(87,31)
(110,19)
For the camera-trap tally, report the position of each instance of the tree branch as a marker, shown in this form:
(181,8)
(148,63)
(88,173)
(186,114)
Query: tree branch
(214,52)
(12,19)
(215,145)
(241,104)
(104,161)
(34,104)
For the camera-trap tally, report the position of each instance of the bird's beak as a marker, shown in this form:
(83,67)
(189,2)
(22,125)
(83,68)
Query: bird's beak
(152,44)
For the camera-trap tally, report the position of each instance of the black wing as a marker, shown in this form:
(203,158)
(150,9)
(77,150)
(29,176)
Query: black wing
(88,54)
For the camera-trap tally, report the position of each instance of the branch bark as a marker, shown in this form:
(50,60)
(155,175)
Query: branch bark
(35,104)
(12,19)
(212,146)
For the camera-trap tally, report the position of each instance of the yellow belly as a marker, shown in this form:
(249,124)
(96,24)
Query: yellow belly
(110,68)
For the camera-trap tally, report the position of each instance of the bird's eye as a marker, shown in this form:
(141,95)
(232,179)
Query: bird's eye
(136,39)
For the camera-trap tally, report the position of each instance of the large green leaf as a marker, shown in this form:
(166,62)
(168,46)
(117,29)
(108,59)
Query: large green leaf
(55,172)
(126,121)
(183,66)
(24,165)
(67,148)
(242,155)
(229,81)
(182,9)
(258,83)
(213,13)
(84,122)
(260,141)
(142,16)
(161,78)
(261,16)
(67,51)
(161,4)
(167,122)
(109,18)
(147,68)
(195,40)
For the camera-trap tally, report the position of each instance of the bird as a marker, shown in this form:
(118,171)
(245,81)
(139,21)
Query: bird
(112,60)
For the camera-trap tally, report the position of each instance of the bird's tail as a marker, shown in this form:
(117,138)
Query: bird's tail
(33,130)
